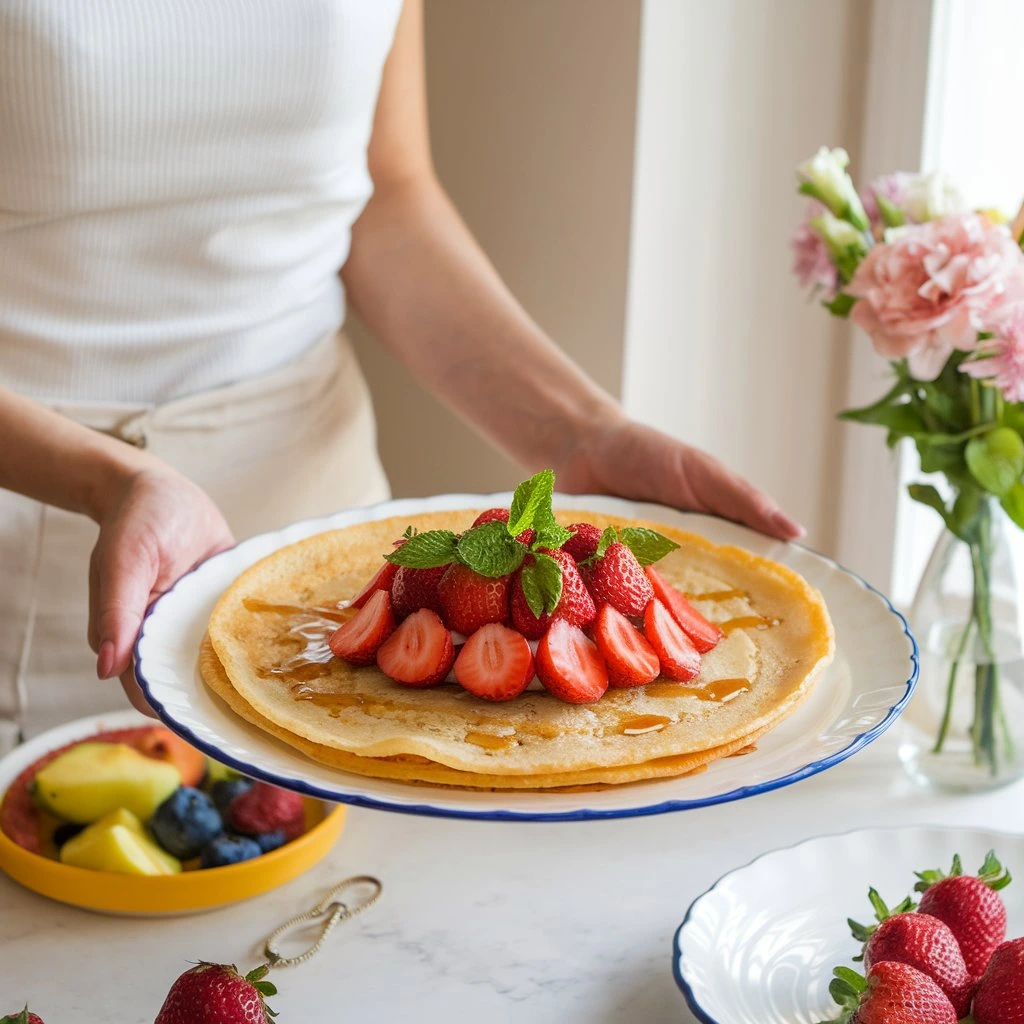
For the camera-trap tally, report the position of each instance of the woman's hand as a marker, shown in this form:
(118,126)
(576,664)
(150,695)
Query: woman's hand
(638,462)
(155,525)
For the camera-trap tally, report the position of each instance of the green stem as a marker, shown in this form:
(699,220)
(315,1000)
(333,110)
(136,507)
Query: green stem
(947,714)
(986,672)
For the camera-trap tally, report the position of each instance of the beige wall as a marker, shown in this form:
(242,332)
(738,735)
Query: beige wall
(532,108)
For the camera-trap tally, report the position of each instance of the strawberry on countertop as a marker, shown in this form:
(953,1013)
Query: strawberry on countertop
(971,906)
(1000,995)
(22,1017)
(495,663)
(217,994)
(893,993)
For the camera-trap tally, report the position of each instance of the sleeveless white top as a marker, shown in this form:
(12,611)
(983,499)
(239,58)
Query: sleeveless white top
(178,183)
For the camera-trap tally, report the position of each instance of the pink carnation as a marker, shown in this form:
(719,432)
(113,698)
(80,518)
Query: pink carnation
(931,287)
(812,264)
(1002,357)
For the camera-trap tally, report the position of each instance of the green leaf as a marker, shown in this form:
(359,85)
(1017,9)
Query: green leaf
(553,535)
(962,520)
(1012,416)
(489,550)
(856,981)
(426,550)
(996,460)
(265,988)
(878,905)
(903,420)
(1013,503)
(532,496)
(607,539)
(541,581)
(841,305)
(648,545)
(939,458)
(903,386)
(928,495)
(892,215)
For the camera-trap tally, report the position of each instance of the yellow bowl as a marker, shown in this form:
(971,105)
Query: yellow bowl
(184,893)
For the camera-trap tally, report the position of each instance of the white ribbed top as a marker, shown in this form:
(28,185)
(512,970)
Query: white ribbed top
(178,183)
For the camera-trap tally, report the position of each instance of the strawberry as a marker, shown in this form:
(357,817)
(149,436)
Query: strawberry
(705,635)
(1000,996)
(629,658)
(971,906)
(22,1017)
(265,808)
(570,665)
(893,993)
(495,663)
(420,652)
(412,589)
(925,943)
(469,600)
(381,580)
(679,658)
(359,639)
(618,578)
(217,994)
(583,542)
(575,606)
(500,515)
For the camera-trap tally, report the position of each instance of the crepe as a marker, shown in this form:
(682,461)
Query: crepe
(779,638)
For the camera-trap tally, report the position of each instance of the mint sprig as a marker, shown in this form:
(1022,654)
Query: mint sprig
(426,550)
(541,581)
(490,550)
(649,546)
(531,503)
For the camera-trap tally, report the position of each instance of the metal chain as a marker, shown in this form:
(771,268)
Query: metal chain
(338,911)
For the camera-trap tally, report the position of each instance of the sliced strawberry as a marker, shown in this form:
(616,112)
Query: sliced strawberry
(500,515)
(629,658)
(705,635)
(570,665)
(679,658)
(469,600)
(412,589)
(359,639)
(618,579)
(583,542)
(575,606)
(420,652)
(495,663)
(381,581)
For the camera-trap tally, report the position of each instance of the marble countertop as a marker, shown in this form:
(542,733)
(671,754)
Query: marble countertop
(495,921)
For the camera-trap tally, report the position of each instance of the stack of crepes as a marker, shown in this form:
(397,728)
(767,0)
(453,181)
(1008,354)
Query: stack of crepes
(266,657)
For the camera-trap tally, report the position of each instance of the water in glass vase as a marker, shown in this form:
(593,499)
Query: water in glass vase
(964,729)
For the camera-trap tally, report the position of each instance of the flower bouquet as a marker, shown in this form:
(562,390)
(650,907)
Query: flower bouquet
(939,289)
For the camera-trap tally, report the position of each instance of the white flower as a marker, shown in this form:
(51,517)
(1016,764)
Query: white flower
(846,245)
(825,178)
(931,196)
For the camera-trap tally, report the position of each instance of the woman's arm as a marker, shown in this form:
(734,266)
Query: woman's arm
(421,282)
(154,523)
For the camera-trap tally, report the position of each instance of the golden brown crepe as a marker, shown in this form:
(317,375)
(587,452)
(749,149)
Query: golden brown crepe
(779,638)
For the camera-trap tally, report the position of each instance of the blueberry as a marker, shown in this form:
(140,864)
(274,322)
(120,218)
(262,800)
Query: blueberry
(185,822)
(225,790)
(270,840)
(62,833)
(229,850)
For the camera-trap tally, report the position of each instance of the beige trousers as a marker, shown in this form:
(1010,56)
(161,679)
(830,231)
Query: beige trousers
(296,443)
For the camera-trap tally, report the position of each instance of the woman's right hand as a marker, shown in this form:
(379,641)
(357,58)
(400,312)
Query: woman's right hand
(155,525)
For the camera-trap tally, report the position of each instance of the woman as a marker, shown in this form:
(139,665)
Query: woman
(180,185)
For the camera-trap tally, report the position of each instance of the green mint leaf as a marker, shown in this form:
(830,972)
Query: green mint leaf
(425,550)
(410,531)
(996,460)
(549,579)
(552,535)
(608,538)
(648,545)
(531,503)
(528,580)
(490,550)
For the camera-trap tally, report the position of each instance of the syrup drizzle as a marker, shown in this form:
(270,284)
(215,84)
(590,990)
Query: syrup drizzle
(717,595)
(644,724)
(746,622)
(311,627)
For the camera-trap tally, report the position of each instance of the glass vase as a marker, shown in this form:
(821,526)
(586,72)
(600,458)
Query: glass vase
(964,728)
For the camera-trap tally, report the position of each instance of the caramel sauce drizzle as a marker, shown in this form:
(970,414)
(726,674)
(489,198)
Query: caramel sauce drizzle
(717,595)
(311,627)
(746,622)
(644,724)
(488,741)
(338,615)
(719,691)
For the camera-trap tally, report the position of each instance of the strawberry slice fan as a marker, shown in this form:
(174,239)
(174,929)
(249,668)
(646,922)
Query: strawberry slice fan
(522,656)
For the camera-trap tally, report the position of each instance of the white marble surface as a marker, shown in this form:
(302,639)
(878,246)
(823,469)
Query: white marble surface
(538,923)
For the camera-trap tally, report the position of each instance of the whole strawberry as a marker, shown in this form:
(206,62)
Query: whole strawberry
(971,906)
(413,589)
(469,600)
(218,994)
(575,606)
(893,993)
(500,515)
(925,943)
(583,542)
(265,808)
(1000,995)
(619,579)
(22,1017)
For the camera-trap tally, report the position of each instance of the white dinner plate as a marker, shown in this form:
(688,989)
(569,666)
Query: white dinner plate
(854,701)
(760,945)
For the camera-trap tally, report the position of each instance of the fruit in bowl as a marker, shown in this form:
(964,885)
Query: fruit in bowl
(139,801)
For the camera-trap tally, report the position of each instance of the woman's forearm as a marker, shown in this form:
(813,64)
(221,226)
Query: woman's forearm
(431,296)
(46,456)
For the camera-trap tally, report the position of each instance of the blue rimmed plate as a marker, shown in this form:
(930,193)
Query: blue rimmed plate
(854,701)
(759,946)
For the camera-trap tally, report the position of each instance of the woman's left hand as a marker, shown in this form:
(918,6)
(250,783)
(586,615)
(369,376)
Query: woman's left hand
(633,461)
